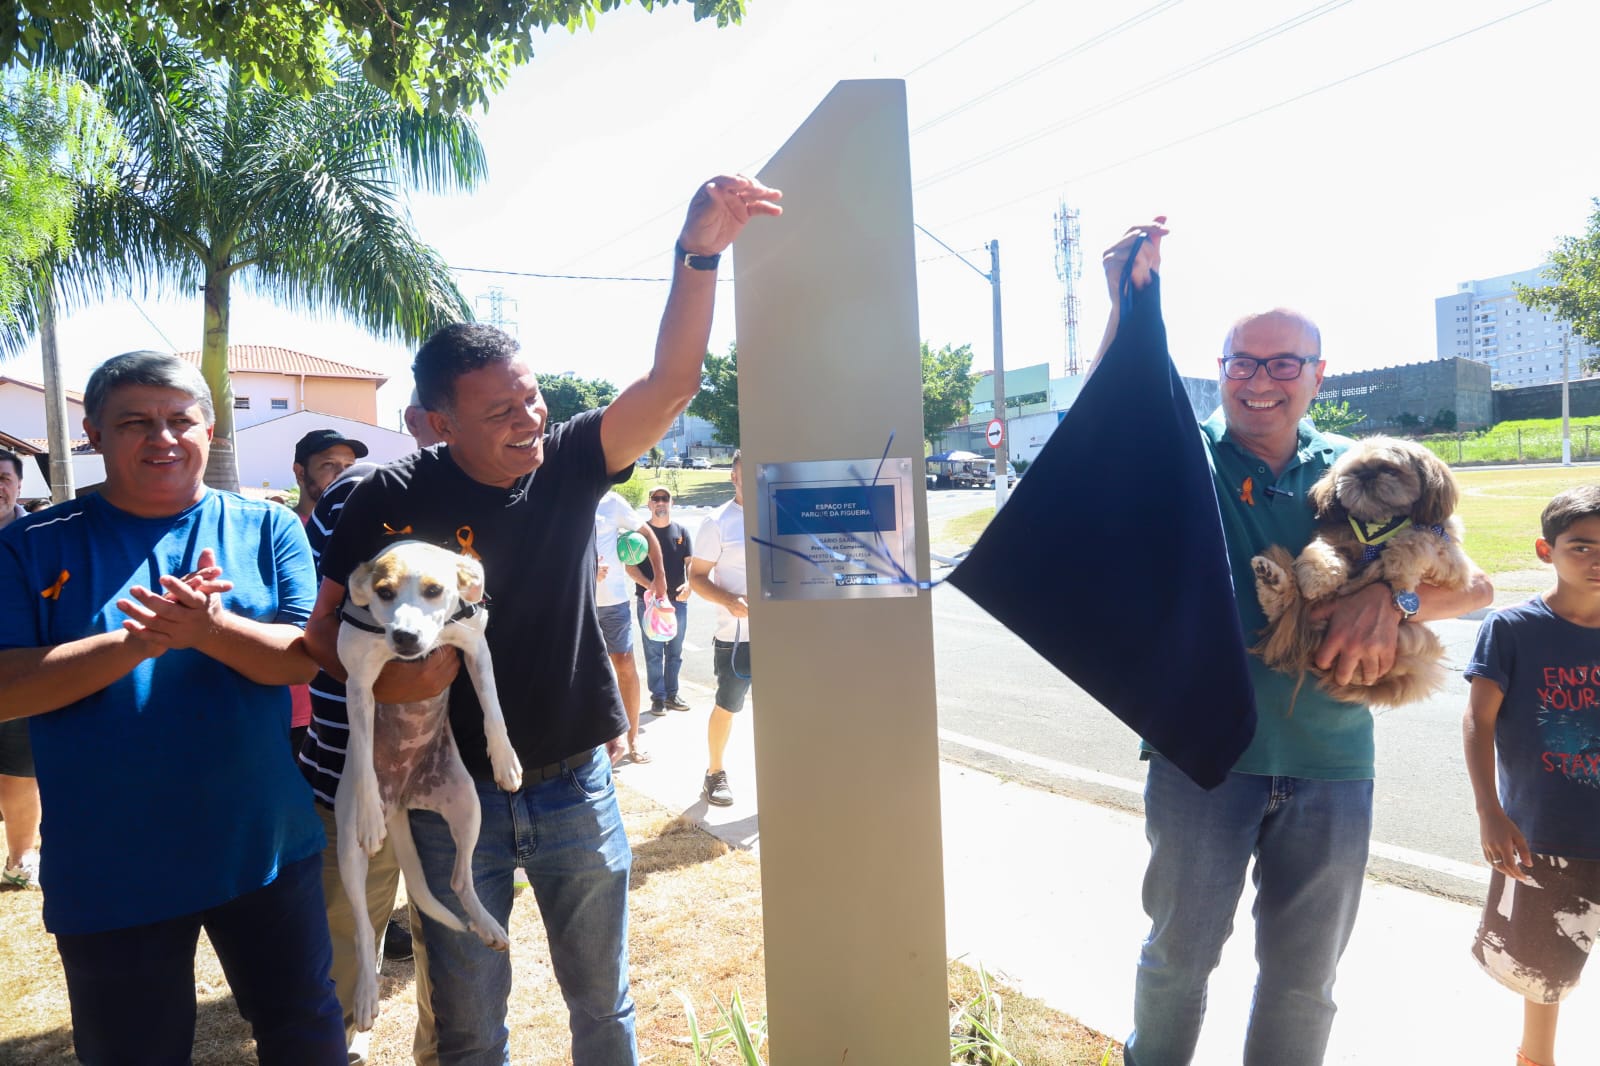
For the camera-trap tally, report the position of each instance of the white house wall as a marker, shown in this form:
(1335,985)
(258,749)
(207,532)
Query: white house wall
(22,413)
(266,449)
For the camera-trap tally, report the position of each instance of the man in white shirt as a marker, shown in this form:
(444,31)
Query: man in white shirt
(614,604)
(716,574)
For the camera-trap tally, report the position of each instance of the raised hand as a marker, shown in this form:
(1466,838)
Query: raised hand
(1146,262)
(720,209)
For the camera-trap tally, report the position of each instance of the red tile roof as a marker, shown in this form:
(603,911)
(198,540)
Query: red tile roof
(80,445)
(75,397)
(266,359)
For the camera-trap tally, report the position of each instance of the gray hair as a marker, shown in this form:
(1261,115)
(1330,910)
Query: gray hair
(159,369)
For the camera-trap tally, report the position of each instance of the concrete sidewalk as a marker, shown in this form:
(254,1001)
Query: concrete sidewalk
(1044,889)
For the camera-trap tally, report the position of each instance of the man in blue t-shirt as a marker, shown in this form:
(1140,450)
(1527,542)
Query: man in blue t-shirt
(1298,803)
(149,635)
(521,496)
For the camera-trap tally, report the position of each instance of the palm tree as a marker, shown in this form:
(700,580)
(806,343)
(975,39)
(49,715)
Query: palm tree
(302,198)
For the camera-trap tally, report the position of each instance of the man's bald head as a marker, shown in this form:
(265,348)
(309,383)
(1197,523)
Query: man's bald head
(1280,317)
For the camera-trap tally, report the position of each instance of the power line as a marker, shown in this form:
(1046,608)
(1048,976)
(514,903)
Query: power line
(1177,74)
(152,322)
(968,39)
(1076,50)
(1054,185)
(556,277)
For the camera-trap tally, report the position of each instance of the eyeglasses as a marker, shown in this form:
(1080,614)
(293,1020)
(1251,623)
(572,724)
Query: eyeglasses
(1279,367)
(661,499)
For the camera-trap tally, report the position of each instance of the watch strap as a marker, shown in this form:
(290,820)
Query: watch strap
(695,262)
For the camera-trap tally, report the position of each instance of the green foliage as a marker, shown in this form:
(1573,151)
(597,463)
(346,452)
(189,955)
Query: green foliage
(1574,292)
(55,138)
(568,395)
(302,198)
(976,1030)
(718,399)
(746,1036)
(1331,417)
(946,388)
(1444,421)
(442,55)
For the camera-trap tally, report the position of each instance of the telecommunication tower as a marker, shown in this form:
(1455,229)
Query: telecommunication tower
(498,303)
(1069,267)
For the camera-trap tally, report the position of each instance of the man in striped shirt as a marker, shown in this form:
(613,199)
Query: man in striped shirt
(322,762)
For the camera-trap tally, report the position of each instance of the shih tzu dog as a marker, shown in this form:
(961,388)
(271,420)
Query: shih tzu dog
(1386,513)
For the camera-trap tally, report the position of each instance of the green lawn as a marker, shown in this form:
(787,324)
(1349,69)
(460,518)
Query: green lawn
(1501,511)
(1524,440)
(690,488)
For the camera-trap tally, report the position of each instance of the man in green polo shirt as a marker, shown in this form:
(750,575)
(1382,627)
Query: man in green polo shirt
(1299,800)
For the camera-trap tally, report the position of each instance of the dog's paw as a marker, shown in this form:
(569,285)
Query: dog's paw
(507,767)
(370,825)
(490,932)
(1274,587)
(364,1004)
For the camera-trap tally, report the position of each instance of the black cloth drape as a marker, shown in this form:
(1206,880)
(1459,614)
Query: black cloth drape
(1109,561)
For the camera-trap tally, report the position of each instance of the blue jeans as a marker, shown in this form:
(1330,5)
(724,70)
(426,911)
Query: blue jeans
(566,832)
(662,660)
(1309,841)
(132,990)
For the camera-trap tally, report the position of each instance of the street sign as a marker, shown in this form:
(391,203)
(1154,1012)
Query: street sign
(995,433)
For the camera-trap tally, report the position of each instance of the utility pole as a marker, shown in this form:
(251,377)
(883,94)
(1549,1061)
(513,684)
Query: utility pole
(1002,453)
(1566,427)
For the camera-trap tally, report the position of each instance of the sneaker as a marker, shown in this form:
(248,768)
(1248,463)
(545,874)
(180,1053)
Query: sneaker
(658,708)
(396,942)
(25,874)
(716,790)
(519,880)
(673,703)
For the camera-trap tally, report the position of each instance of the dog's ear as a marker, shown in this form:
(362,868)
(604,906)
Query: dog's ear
(1324,498)
(360,586)
(1437,501)
(469,579)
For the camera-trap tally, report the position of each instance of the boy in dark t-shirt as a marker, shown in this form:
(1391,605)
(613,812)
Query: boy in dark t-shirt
(520,497)
(1535,709)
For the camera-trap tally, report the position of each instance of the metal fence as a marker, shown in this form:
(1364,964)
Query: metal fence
(1520,446)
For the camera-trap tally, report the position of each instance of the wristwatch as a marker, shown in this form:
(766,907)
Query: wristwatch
(695,262)
(1408,604)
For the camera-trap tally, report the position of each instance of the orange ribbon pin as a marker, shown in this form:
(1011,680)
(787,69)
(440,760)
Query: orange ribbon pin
(1247,491)
(54,591)
(464,538)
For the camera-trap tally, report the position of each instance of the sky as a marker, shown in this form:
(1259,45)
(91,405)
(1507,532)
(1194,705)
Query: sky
(1354,159)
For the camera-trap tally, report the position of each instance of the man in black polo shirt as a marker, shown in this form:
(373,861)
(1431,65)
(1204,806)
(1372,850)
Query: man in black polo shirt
(522,498)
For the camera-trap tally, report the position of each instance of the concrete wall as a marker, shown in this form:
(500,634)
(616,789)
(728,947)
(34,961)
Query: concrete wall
(1544,401)
(1424,389)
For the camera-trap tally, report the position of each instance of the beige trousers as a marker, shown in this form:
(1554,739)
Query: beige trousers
(383,880)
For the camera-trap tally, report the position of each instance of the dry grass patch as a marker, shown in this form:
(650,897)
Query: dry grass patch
(695,925)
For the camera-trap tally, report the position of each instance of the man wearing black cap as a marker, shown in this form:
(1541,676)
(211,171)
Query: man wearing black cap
(320,457)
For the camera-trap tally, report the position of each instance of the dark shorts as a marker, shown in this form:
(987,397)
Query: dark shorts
(733,673)
(1535,938)
(16,753)
(616,624)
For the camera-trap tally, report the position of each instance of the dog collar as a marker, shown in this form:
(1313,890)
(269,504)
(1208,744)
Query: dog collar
(1374,533)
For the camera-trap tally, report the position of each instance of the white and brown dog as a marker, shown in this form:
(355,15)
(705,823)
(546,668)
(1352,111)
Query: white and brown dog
(1385,512)
(415,597)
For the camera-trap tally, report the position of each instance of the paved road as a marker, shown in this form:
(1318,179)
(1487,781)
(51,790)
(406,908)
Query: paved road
(1003,708)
